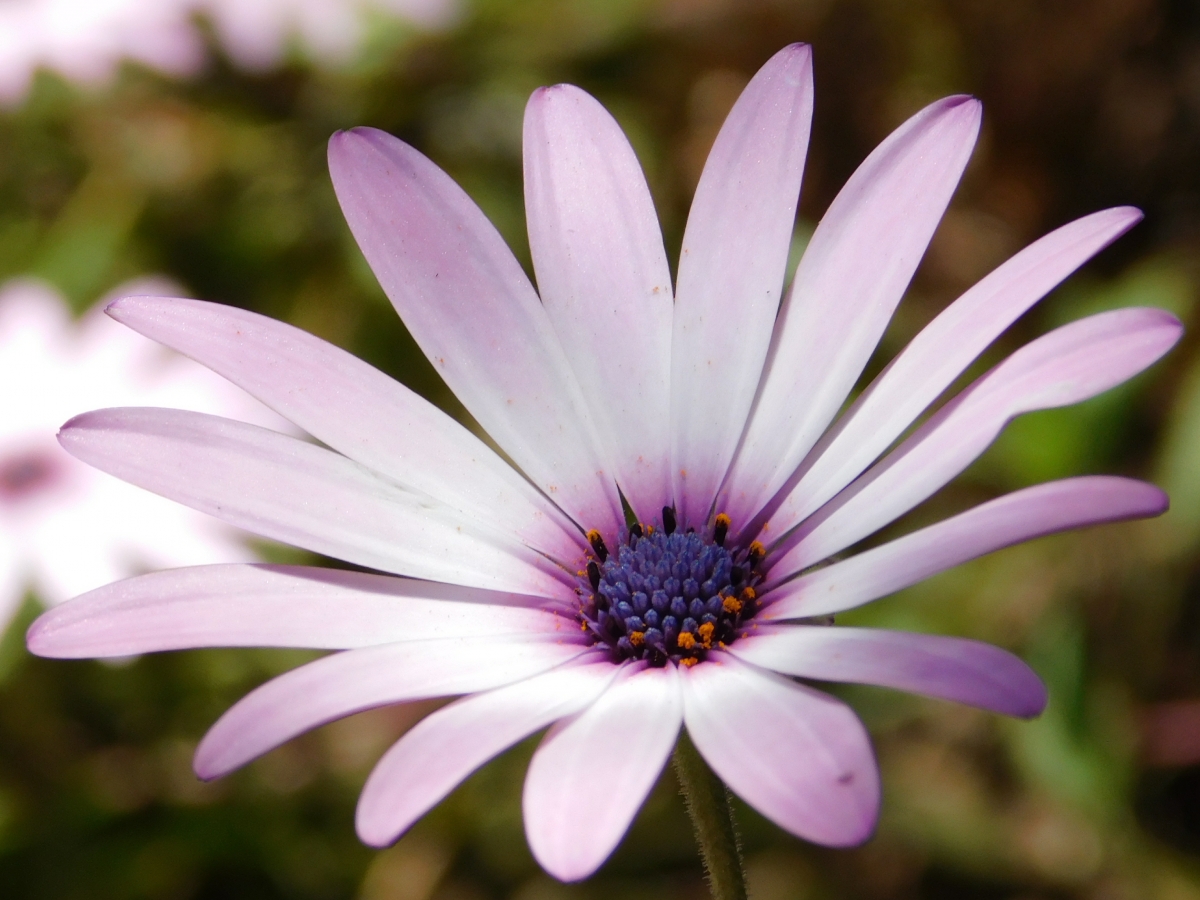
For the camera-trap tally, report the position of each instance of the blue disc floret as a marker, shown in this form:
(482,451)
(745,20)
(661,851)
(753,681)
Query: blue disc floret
(666,596)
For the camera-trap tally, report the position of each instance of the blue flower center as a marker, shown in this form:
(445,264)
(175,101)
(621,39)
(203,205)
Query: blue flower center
(666,596)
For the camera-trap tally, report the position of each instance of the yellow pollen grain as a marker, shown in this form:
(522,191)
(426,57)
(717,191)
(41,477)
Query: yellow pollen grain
(757,550)
(723,519)
(748,594)
(686,640)
(731,605)
(637,638)
(689,661)
(706,633)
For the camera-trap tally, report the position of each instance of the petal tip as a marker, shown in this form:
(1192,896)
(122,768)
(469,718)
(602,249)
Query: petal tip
(38,638)
(373,833)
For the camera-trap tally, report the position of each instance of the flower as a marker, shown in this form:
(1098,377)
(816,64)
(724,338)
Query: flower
(85,42)
(64,527)
(705,410)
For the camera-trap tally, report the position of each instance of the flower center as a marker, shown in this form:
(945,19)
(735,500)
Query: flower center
(26,473)
(669,596)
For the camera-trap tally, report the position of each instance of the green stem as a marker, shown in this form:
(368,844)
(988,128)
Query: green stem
(712,818)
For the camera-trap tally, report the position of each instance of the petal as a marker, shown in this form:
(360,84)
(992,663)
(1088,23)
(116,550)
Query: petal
(1067,365)
(354,680)
(943,350)
(445,747)
(603,277)
(470,308)
(605,760)
(967,671)
(1020,516)
(301,494)
(731,273)
(798,756)
(275,606)
(355,409)
(849,281)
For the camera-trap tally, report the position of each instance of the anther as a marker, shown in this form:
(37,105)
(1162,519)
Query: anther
(706,633)
(720,529)
(593,574)
(668,520)
(686,640)
(757,552)
(636,530)
(597,541)
(732,605)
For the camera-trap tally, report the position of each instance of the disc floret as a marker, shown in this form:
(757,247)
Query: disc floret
(669,596)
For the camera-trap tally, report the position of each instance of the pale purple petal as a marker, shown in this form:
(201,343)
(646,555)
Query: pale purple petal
(849,281)
(277,606)
(603,277)
(354,680)
(731,272)
(591,773)
(798,756)
(468,304)
(941,352)
(292,491)
(355,409)
(951,668)
(1020,516)
(1067,365)
(445,747)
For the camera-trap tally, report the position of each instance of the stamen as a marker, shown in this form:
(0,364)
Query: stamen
(757,552)
(721,529)
(636,530)
(593,574)
(732,605)
(668,520)
(597,541)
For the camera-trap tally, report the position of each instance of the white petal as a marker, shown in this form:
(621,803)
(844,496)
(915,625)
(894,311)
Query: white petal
(354,680)
(603,277)
(1067,365)
(445,747)
(1020,516)
(853,274)
(277,606)
(731,273)
(951,668)
(470,308)
(942,351)
(591,773)
(800,757)
(304,495)
(355,409)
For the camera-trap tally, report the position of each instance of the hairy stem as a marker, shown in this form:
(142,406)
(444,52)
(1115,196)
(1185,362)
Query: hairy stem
(712,818)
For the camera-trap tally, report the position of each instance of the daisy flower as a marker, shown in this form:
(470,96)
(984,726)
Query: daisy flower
(86,42)
(649,561)
(64,527)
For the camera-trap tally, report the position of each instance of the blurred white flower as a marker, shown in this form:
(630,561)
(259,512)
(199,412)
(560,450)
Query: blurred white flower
(65,527)
(85,40)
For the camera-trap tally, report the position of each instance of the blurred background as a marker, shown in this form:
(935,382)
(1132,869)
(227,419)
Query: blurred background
(184,141)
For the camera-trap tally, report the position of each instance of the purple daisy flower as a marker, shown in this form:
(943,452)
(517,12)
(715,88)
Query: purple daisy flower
(650,563)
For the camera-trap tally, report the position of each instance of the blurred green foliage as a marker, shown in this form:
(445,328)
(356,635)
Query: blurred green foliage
(220,183)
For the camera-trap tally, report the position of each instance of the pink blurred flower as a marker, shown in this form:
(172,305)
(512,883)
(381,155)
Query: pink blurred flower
(85,42)
(706,409)
(64,527)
